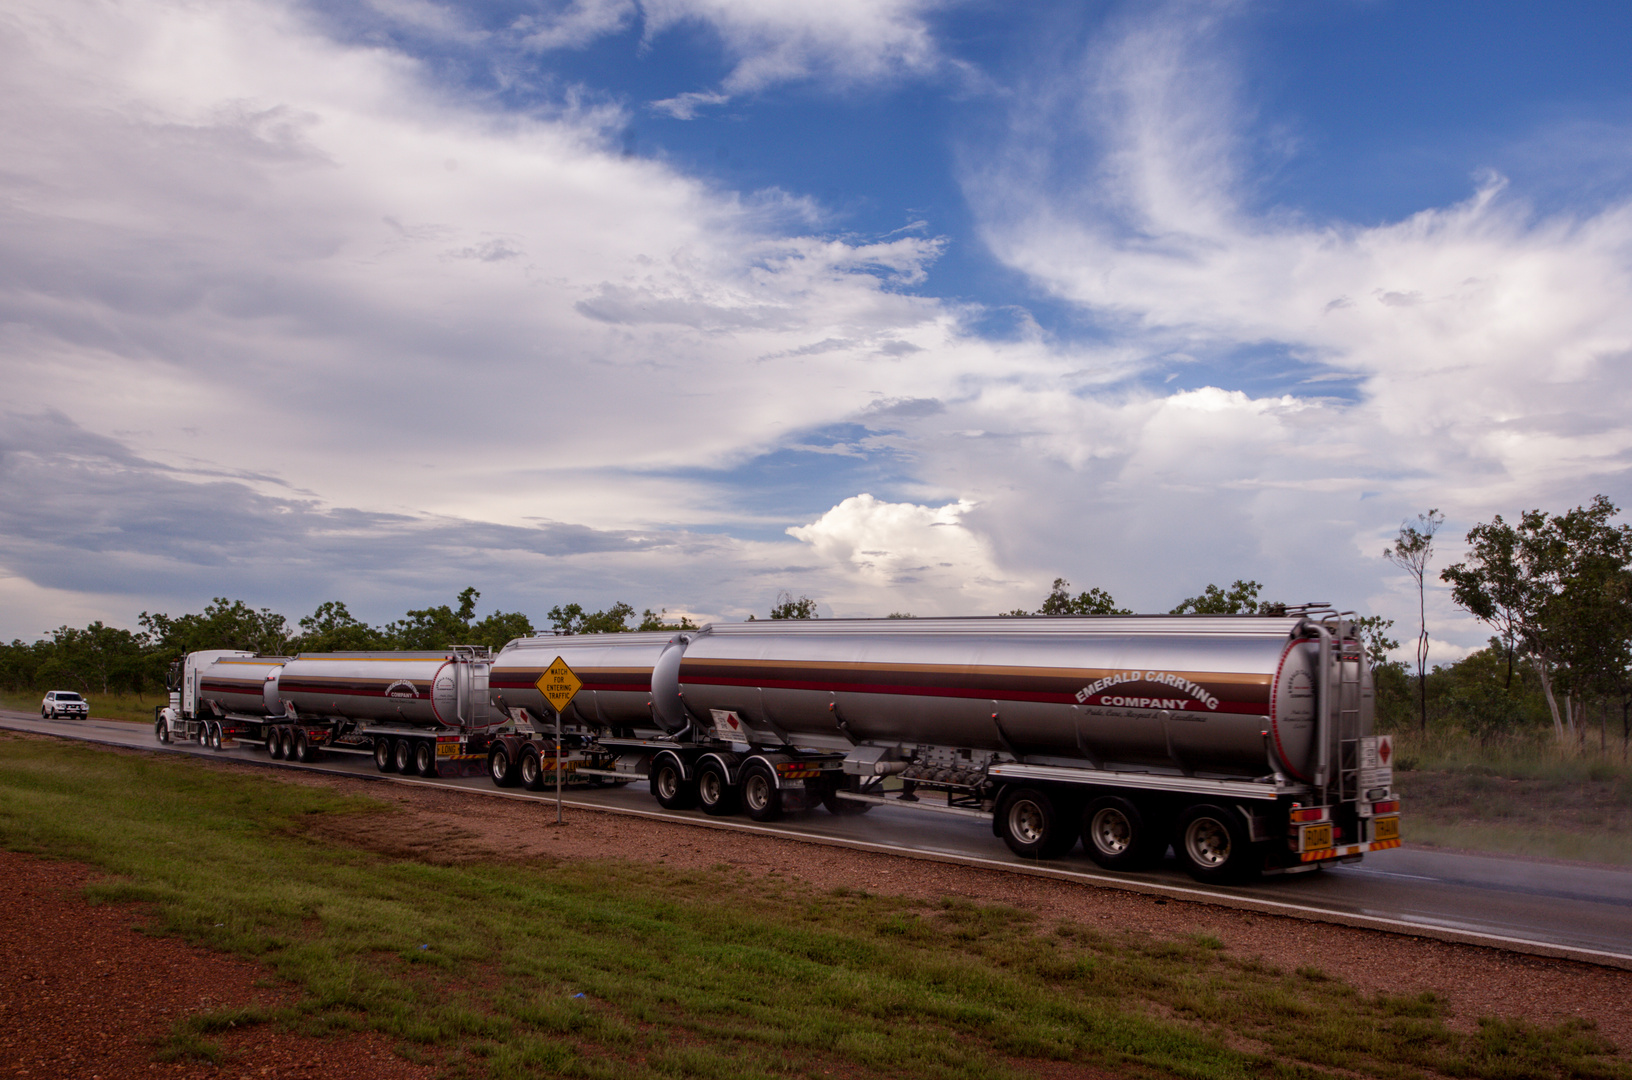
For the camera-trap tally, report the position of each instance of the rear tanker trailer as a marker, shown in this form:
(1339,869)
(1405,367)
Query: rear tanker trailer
(413,712)
(1244,742)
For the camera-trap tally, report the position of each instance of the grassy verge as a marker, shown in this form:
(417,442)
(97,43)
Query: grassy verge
(1517,796)
(131,707)
(615,969)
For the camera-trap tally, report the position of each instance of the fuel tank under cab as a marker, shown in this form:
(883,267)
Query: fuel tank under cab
(1224,696)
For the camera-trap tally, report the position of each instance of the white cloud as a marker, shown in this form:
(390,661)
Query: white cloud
(925,555)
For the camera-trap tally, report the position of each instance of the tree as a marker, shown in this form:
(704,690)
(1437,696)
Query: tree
(223,624)
(789,608)
(569,619)
(1558,589)
(1373,631)
(1089,602)
(654,621)
(1411,552)
(442,627)
(331,628)
(1240,599)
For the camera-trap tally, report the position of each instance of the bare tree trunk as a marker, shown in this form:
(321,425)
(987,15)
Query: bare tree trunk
(1547,690)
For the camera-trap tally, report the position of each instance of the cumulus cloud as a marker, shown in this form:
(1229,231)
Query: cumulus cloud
(927,552)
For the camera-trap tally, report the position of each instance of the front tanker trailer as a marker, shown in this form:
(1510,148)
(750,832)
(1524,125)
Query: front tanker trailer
(1244,742)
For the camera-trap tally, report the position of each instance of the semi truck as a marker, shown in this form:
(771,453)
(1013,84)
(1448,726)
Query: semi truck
(1243,743)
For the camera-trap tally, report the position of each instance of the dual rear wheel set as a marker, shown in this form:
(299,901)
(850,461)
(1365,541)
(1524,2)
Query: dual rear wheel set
(288,744)
(711,789)
(408,756)
(1120,834)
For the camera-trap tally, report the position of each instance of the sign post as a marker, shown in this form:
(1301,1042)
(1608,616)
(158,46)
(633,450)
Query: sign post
(558,684)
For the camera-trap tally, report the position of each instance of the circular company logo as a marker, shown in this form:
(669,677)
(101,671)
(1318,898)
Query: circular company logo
(401,689)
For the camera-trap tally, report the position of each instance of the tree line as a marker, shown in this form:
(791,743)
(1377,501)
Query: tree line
(105,659)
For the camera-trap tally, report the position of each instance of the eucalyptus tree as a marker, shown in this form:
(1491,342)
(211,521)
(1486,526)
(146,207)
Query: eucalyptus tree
(1412,550)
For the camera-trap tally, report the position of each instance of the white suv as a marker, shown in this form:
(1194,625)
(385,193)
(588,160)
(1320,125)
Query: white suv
(64,703)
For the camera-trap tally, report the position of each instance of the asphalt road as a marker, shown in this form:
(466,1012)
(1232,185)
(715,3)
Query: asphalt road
(1530,906)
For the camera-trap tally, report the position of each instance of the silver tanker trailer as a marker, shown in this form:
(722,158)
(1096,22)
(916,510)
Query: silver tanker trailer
(414,712)
(615,701)
(1245,742)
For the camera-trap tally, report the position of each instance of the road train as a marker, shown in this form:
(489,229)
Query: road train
(1243,742)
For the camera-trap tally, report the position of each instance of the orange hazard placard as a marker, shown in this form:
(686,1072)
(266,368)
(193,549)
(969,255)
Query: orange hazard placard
(558,684)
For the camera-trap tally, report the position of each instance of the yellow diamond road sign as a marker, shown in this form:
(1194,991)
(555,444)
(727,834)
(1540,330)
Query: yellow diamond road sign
(558,684)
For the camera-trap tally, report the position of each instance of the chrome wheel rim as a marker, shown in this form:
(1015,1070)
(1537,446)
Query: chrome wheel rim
(1026,821)
(757,792)
(498,765)
(1111,831)
(668,782)
(529,769)
(710,788)
(1208,842)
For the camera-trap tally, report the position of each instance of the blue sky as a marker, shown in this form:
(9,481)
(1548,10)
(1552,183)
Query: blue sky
(903,304)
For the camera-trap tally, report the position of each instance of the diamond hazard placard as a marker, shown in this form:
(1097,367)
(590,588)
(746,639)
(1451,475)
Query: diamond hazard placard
(558,684)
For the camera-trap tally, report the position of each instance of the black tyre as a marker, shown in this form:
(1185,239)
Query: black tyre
(402,756)
(425,758)
(274,744)
(383,760)
(715,793)
(1118,835)
(1030,822)
(215,736)
(501,768)
(531,767)
(161,730)
(202,734)
(761,799)
(305,752)
(1213,846)
(670,787)
(844,807)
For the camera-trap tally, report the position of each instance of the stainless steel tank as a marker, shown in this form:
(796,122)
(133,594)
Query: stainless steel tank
(1227,695)
(616,671)
(434,689)
(237,684)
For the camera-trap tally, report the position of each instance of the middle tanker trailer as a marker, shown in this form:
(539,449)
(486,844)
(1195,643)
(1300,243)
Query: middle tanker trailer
(1245,742)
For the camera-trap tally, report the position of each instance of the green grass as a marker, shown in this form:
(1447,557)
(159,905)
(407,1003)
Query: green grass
(130,707)
(619,969)
(1519,796)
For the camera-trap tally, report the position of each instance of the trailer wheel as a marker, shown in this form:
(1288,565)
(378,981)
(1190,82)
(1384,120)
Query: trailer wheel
(1213,846)
(670,786)
(215,736)
(382,755)
(760,797)
(1118,836)
(1032,825)
(274,744)
(714,791)
(305,752)
(425,758)
(532,770)
(501,768)
(402,755)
